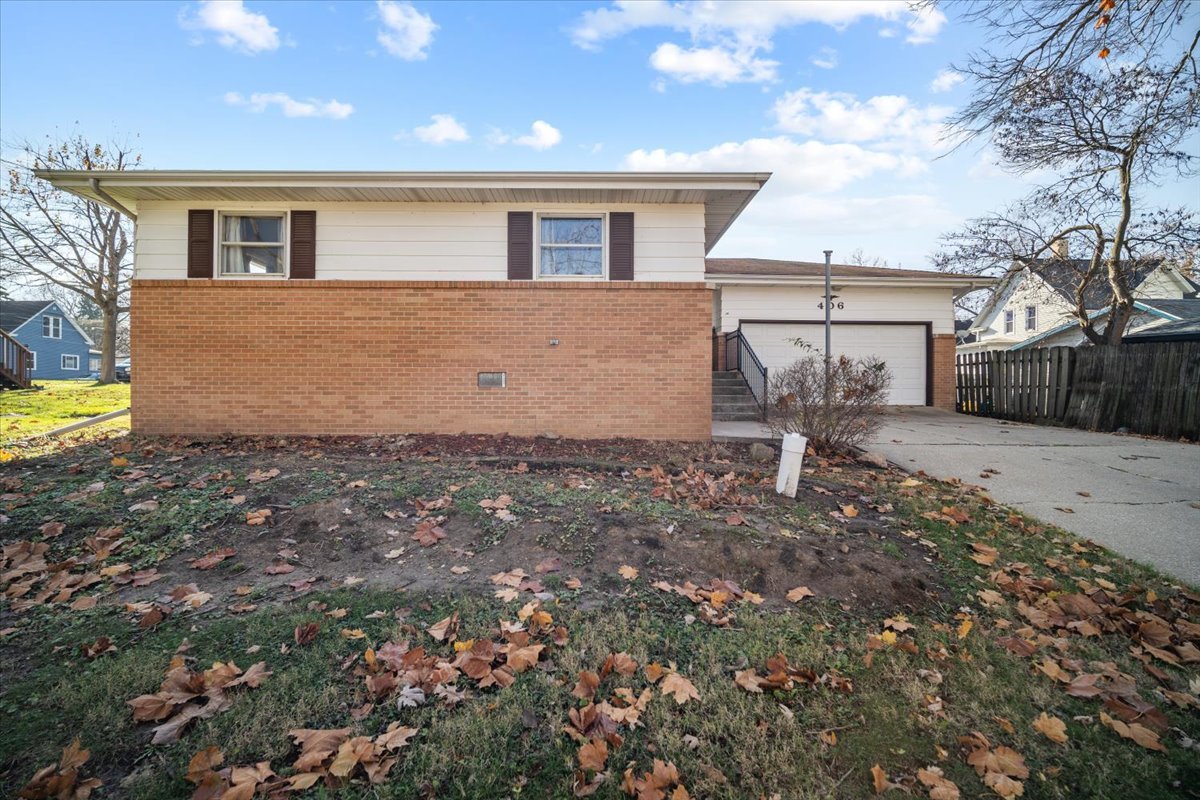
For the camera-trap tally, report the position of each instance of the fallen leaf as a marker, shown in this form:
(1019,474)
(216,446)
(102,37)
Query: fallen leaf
(678,687)
(799,593)
(627,572)
(1052,728)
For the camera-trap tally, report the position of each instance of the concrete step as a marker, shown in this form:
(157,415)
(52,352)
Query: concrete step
(748,405)
(736,416)
(739,390)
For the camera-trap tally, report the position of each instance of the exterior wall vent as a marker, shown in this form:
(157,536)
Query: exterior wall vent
(492,380)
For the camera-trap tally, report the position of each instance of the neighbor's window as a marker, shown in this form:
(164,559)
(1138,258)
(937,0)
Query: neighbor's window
(252,245)
(32,362)
(571,246)
(93,363)
(1031,318)
(70,362)
(52,327)
(1008,321)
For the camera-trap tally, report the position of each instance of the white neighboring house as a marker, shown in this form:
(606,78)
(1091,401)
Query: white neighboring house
(1034,304)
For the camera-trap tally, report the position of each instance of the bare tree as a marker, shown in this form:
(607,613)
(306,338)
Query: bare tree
(859,258)
(49,238)
(1102,139)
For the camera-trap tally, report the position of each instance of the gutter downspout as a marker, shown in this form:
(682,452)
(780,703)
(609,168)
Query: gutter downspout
(110,200)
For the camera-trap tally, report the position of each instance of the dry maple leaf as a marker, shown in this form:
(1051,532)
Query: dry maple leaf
(1135,732)
(446,629)
(940,787)
(749,680)
(427,533)
(799,593)
(593,755)
(679,687)
(879,780)
(627,572)
(212,559)
(1052,728)
(849,511)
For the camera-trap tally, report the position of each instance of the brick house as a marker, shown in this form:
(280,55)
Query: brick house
(578,304)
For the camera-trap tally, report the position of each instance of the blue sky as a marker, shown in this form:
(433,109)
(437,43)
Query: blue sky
(841,100)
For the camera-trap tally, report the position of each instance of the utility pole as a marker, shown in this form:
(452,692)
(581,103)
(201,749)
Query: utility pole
(828,326)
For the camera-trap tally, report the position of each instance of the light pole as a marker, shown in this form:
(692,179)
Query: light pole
(828,325)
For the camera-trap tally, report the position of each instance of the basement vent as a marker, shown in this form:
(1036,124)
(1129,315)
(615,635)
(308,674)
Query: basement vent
(491,380)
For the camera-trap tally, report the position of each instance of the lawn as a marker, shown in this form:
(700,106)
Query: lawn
(28,412)
(490,617)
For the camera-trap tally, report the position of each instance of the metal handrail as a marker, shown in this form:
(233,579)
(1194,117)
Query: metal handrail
(752,369)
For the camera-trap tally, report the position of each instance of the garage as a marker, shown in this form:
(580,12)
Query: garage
(903,347)
(903,316)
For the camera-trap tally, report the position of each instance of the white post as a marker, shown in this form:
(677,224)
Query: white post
(790,461)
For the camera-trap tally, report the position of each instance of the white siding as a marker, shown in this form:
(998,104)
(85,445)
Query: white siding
(860,303)
(433,241)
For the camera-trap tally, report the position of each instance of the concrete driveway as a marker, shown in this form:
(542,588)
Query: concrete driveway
(1143,496)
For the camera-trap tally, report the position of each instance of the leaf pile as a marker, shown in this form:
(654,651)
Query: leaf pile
(335,757)
(714,602)
(61,780)
(782,676)
(698,488)
(186,695)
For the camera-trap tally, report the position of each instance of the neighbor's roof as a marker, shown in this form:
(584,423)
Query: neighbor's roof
(799,271)
(1179,308)
(1064,276)
(723,194)
(15,313)
(1185,330)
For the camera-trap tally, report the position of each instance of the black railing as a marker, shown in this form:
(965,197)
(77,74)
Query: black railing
(740,355)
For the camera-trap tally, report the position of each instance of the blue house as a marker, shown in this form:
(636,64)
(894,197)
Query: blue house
(60,347)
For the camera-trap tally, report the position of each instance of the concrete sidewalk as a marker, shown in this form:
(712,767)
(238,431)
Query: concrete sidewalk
(1142,496)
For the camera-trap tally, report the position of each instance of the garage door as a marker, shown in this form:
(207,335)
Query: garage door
(901,347)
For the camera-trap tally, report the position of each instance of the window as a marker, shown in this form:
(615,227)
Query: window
(1008,321)
(93,363)
(571,246)
(32,361)
(252,245)
(1031,318)
(70,362)
(52,327)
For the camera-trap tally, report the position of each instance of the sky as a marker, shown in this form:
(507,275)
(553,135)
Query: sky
(843,100)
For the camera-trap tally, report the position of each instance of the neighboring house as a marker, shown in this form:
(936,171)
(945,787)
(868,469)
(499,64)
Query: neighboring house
(903,317)
(572,304)
(59,347)
(1176,321)
(1033,306)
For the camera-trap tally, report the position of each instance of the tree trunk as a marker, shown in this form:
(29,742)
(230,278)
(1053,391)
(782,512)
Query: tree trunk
(108,344)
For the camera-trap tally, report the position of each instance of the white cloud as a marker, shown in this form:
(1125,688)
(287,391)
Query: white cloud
(714,65)
(946,80)
(887,119)
(406,32)
(825,58)
(734,32)
(542,136)
(235,26)
(810,201)
(261,101)
(925,24)
(444,128)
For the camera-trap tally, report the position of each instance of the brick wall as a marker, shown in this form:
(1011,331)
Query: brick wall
(363,357)
(944,392)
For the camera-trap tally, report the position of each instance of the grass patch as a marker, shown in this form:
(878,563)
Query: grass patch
(53,404)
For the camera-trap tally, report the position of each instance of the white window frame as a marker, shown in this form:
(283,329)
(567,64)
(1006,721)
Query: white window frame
(55,326)
(220,244)
(1032,327)
(62,362)
(570,214)
(33,361)
(1010,321)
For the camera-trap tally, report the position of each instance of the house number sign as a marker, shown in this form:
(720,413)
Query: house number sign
(838,305)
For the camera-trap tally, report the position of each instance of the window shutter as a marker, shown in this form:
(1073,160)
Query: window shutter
(200,243)
(520,245)
(620,246)
(304,245)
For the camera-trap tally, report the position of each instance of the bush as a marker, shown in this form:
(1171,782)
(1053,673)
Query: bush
(858,391)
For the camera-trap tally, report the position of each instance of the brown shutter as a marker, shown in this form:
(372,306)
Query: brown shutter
(304,245)
(520,245)
(200,243)
(620,246)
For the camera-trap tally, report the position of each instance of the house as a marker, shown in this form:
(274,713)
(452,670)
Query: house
(1175,321)
(901,316)
(1033,306)
(58,346)
(573,304)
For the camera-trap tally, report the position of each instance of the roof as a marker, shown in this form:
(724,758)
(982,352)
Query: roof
(1187,330)
(1179,308)
(799,271)
(723,194)
(15,313)
(1064,275)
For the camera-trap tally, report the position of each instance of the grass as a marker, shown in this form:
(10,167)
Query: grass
(29,412)
(907,710)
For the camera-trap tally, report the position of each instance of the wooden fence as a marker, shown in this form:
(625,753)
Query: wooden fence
(1149,388)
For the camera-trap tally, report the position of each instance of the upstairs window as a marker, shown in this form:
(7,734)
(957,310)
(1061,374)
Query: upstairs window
(571,246)
(1008,321)
(52,327)
(252,244)
(1031,318)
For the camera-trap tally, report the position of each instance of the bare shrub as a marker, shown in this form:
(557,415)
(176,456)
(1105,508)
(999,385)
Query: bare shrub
(847,417)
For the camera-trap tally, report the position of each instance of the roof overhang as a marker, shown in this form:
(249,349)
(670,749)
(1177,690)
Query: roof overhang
(723,194)
(960,284)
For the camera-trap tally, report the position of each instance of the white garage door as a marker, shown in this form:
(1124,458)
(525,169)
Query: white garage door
(901,347)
